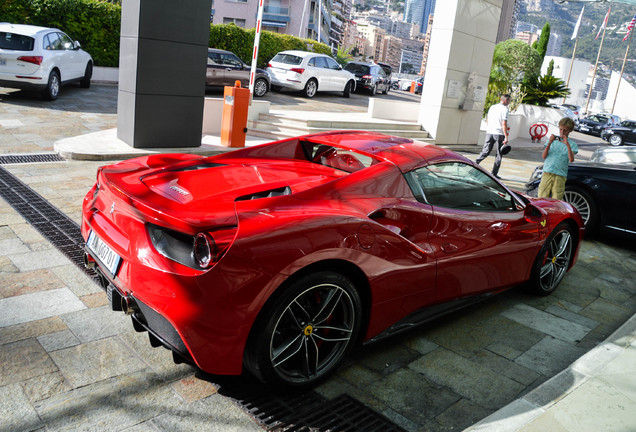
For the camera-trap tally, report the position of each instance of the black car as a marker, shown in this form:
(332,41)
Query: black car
(595,123)
(225,68)
(371,77)
(603,190)
(624,133)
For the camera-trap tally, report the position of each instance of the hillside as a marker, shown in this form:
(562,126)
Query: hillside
(562,18)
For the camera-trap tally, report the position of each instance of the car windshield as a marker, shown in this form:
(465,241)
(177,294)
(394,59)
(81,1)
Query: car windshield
(360,68)
(12,41)
(287,59)
(598,118)
(335,157)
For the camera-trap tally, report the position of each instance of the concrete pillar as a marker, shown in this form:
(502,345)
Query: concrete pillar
(162,65)
(458,69)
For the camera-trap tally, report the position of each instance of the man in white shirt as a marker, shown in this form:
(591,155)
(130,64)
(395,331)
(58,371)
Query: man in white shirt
(496,132)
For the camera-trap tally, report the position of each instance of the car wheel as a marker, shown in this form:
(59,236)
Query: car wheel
(260,87)
(553,260)
(302,336)
(386,89)
(347,90)
(373,90)
(53,86)
(615,140)
(581,200)
(88,74)
(311,88)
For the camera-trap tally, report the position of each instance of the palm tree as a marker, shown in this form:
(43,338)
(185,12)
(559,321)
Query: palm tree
(539,91)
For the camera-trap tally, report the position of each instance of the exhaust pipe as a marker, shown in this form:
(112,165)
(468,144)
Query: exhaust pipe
(89,262)
(128,305)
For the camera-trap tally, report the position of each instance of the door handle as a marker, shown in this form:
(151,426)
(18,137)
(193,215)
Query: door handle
(449,247)
(498,226)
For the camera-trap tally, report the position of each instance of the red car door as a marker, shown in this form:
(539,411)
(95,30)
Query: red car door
(478,232)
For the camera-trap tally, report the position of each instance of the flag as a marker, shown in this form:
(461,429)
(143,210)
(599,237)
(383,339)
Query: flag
(578,24)
(630,27)
(604,23)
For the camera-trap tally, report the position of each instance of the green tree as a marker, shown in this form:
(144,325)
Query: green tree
(542,44)
(550,68)
(343,56)
(541,90)
(514,62)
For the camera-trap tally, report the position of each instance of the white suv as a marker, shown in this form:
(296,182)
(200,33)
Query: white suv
(40,58)
(309,72)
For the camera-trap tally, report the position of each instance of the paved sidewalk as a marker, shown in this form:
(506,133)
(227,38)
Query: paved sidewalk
(514,363)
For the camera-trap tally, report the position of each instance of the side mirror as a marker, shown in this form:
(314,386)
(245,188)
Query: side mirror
(533,214)
(76,45)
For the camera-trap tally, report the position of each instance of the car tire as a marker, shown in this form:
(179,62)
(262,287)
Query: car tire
(52,89)
(615,140)
(347,90)
(311,88)
(303,334)
(553,260)
(584,204)
(260,87)
(88,74)
(386,89)
(373,90)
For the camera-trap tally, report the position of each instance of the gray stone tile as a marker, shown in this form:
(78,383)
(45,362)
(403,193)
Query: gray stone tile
(12,246)
(572,317)
(504,350)
(91,324)
(213,414)
(38,260)
(45,386)
(510,333)
(413,396)
(22,360)
(15,284)
(510,418)
(31,329)
(37,306)
(109,405)
(17,414)
(550,356)
(547,323)
(384,357)
(95,361)
(468,379)
(604,311)
(556,388)
(505,367)
(458,417)
(57,341)
(76,280)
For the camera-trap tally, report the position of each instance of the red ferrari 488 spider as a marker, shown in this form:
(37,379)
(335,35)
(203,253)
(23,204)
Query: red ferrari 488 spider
(281,257)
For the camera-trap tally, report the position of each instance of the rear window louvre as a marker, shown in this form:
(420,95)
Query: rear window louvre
(266,194)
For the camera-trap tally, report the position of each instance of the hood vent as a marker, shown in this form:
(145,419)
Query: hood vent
(266,194)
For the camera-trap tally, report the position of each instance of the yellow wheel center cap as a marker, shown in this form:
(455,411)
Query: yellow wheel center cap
(554,260)
(308,330)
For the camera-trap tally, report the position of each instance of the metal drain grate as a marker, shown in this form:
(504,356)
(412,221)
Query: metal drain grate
(305,412)
(61,231)
(20,159)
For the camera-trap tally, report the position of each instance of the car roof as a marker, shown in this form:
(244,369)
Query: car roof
(216,50)
(302,53)
(24,29)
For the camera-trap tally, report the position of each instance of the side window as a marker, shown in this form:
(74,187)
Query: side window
(380,72)
(213,59)
(231,60)
(312,62)
(460,186)
(331,63)
(320,62)
(54,42)
(65,41)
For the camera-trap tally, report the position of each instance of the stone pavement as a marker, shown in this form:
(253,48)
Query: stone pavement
(514,362)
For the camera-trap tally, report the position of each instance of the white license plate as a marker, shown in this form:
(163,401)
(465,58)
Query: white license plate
(103,252)
(3,62)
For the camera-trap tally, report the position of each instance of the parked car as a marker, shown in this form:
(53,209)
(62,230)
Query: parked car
(603,190)
(225,68)
(594,124)
(310,73)
(568,113)
(419,83)
(370,77)
(624,133)
(575,109)
(281,257)
(41,59)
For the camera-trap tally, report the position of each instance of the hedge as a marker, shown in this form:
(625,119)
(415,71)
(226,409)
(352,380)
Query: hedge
(96,24)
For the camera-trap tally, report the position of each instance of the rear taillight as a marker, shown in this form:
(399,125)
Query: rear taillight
(367,76)
(31,59)
(299,71)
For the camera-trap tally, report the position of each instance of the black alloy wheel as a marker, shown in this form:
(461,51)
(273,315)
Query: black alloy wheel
(303,335)
(553,260)
(615,140)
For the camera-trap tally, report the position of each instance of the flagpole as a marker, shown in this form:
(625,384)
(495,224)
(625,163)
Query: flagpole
(571,65)
(622,69)
(589,95)
(577,31)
